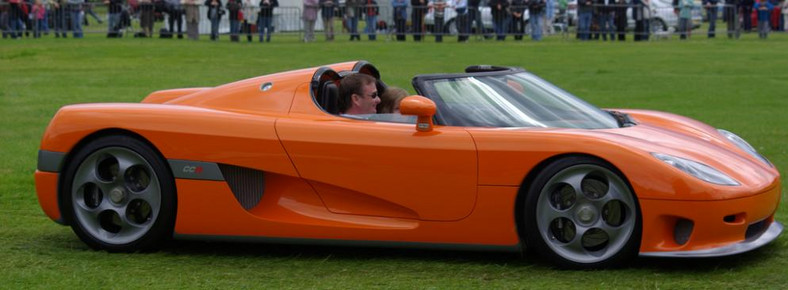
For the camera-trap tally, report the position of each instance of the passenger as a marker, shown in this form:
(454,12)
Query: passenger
(389,100)
(358,95)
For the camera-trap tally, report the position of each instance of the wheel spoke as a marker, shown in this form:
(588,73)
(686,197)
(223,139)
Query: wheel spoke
(613,232)
(151,195)
(124,163)
(127,225)
(85,175)
(575,246)
(600,202)
(548,214)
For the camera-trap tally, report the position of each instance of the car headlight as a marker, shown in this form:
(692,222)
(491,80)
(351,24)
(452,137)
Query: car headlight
(697,169)
(739,142)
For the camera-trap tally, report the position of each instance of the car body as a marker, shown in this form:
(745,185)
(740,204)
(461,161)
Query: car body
(494,158)
(664,18)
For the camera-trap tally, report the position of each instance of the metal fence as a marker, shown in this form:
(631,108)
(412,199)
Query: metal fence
(143,18)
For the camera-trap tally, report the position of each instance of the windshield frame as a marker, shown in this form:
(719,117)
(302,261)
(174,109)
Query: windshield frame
(424,85)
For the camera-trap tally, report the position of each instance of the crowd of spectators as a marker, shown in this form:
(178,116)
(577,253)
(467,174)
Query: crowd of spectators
(596,19)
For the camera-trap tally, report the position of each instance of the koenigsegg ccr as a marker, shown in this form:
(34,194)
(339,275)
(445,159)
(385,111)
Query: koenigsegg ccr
(493,158)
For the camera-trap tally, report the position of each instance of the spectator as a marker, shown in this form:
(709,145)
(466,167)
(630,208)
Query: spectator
(584,12)
(475,16)
(621,19)
(400,17)
(88,7)
(536,14)
(249,19)
(764,8)
(75,11)
(114,9)
(16,14)
(265,18)
(685,18)
(462,20)
(711,13)
(371,14)
(61,16)
(640,12)
(327,12)
(731,15)
(310,16)
(215,12)
(518,23)
(746,8)
(417,18)
(438,8)
(233,9)
(44,27)
(146,17)
(192,18)
(605,18)
(785,15)
(352,13)
(548,17)
(39,13)
(500,17)
(175,17)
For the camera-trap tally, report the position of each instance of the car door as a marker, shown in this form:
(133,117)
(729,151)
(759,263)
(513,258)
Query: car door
(384,169)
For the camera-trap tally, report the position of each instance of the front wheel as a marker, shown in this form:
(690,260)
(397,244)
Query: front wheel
(118,195)
(580,212)
(658,26)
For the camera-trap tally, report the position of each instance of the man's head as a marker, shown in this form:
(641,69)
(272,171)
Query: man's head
(358,94)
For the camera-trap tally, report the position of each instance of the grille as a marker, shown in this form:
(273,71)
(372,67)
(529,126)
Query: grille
(755,229)
(247,184)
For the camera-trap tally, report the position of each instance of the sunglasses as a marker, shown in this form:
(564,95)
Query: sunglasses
(371,96)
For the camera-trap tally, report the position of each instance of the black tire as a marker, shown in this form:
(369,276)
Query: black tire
(597,227)
(118,194)
(450,28)
(658,25)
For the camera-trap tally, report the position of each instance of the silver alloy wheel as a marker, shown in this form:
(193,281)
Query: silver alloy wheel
(586,213)
(116,195)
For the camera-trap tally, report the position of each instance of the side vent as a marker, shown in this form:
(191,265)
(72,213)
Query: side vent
(247,184)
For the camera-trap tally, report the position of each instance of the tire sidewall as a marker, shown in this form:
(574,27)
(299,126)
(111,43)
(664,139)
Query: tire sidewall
(162,227)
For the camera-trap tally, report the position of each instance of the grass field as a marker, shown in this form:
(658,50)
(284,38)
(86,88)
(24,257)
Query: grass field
(740,85)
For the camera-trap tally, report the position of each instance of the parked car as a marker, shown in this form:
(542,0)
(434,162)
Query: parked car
(494,158)
(664,18)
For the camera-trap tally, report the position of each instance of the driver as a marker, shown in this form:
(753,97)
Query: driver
(358,95)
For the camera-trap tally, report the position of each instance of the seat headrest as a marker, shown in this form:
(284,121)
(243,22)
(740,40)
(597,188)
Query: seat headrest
(329,97)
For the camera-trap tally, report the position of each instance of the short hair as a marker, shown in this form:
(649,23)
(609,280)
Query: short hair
(390,98)
(351,84)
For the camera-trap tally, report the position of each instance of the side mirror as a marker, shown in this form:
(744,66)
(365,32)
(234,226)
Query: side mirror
(421,107)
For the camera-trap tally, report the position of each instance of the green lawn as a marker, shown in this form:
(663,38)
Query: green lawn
(739,85)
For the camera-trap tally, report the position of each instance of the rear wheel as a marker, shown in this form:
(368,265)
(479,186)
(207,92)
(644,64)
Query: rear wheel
(581,213)
(451,28)
(118,195)
(658,26)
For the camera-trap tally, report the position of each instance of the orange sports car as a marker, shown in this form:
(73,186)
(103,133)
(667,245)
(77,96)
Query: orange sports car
(494,158)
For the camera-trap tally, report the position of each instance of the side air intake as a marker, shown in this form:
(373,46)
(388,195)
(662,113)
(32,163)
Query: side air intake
(247,184)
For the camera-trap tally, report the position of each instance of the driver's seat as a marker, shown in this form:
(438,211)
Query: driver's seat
(329,100)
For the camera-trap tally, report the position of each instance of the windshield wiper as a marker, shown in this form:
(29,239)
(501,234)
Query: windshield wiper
(623,119)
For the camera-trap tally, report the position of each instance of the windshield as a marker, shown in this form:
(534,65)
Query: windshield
(512,100)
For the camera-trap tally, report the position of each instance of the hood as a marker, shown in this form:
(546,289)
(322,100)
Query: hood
(697,143)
